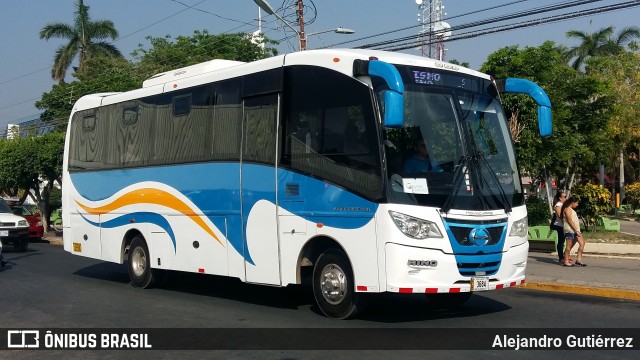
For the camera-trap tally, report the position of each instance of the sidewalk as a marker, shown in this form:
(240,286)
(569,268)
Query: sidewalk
(605,275)
(53,237)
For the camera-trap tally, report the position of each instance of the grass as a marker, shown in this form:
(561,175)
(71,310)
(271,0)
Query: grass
(612,237)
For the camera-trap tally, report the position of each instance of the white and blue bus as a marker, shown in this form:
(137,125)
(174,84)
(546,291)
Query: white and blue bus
(295,168)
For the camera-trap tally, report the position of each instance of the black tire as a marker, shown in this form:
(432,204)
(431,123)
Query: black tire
(333,286)
(139,265)
(448,301)
(21,245)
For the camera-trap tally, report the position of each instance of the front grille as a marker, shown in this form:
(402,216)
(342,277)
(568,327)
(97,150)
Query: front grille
(7,224)
(461,234)
(470,269)
(474,257)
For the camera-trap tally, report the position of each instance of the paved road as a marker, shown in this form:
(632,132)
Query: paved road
(630,227)
(48,288)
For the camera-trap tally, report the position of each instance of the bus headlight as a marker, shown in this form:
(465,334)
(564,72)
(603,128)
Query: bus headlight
(519,228)
(414,227)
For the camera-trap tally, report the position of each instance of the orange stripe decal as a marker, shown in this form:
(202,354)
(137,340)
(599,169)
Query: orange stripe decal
(151,196)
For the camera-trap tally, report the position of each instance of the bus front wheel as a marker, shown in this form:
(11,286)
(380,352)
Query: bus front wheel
(333,286)
(140,271)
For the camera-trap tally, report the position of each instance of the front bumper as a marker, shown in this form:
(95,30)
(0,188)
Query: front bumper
(14,235)
(420,270)
(36,233)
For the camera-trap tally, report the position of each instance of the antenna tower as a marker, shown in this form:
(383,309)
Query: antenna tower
(434,31)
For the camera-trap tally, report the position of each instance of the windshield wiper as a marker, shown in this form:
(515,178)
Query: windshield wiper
(503,195)
(459,177)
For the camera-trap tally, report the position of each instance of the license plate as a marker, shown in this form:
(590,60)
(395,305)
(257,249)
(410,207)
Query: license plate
(4,232)
(479,283)
(77,247)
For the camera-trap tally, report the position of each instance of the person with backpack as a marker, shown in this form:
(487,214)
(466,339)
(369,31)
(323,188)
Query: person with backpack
(557,224)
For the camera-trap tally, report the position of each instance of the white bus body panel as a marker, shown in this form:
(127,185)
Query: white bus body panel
(398,276)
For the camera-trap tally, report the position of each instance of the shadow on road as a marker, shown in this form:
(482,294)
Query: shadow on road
(544,259)
(382,308)
(105,271)
(13,257)
(395,308)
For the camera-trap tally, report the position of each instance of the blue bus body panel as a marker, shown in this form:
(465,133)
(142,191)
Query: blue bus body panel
(214,189)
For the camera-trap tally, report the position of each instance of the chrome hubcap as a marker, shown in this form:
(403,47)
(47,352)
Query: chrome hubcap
(138,261)
(333,284)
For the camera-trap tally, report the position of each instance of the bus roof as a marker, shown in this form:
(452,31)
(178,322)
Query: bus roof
(193,70)
(340,60)
(336,59)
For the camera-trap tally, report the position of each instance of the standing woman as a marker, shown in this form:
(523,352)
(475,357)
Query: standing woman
(558,225)
(572,232)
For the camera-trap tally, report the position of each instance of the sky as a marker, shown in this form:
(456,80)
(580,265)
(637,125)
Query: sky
(26,60)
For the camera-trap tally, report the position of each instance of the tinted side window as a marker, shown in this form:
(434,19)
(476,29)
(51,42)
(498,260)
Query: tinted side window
(261,116)
(131,126)
(183,118)
(88,143)
(330,129)
(226,125)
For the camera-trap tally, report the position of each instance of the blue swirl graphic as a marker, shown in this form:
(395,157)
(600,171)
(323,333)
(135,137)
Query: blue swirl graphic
(138,217)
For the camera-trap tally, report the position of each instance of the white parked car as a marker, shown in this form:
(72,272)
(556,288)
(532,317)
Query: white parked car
(14,229)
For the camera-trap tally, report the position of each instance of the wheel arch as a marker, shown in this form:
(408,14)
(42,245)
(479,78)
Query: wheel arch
(126,242)
(310,253)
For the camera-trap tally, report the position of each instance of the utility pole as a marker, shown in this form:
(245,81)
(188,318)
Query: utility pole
(301,34)
(621,192)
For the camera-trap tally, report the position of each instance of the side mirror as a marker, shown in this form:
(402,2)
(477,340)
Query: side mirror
(393,97)
(393,109)
(523,86)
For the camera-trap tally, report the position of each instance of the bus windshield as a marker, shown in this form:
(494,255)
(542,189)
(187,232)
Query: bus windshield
(454,150)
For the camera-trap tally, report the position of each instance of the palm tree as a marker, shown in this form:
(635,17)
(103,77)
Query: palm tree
(82,36)
(601,43)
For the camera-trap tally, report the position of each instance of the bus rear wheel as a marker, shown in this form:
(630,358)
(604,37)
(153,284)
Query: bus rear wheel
(333,286)
(139,265)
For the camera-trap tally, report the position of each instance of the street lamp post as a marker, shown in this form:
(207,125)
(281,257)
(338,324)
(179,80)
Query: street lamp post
(302,37)
(338,30)
(264,5)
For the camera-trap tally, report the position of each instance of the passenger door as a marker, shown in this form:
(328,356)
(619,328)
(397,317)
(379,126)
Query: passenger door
(258,189)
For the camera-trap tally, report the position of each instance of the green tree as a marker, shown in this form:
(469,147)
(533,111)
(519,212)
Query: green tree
(109,74)
(622,73)
(85,39)
(595,200)
(48,164)
(600,43)
(579,104)
(633,195)
(17,167)
(537,211)
(464,63)
(167,54)
(31,166)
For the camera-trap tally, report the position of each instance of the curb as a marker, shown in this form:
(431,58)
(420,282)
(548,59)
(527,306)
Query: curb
(54,241)
(583,290)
